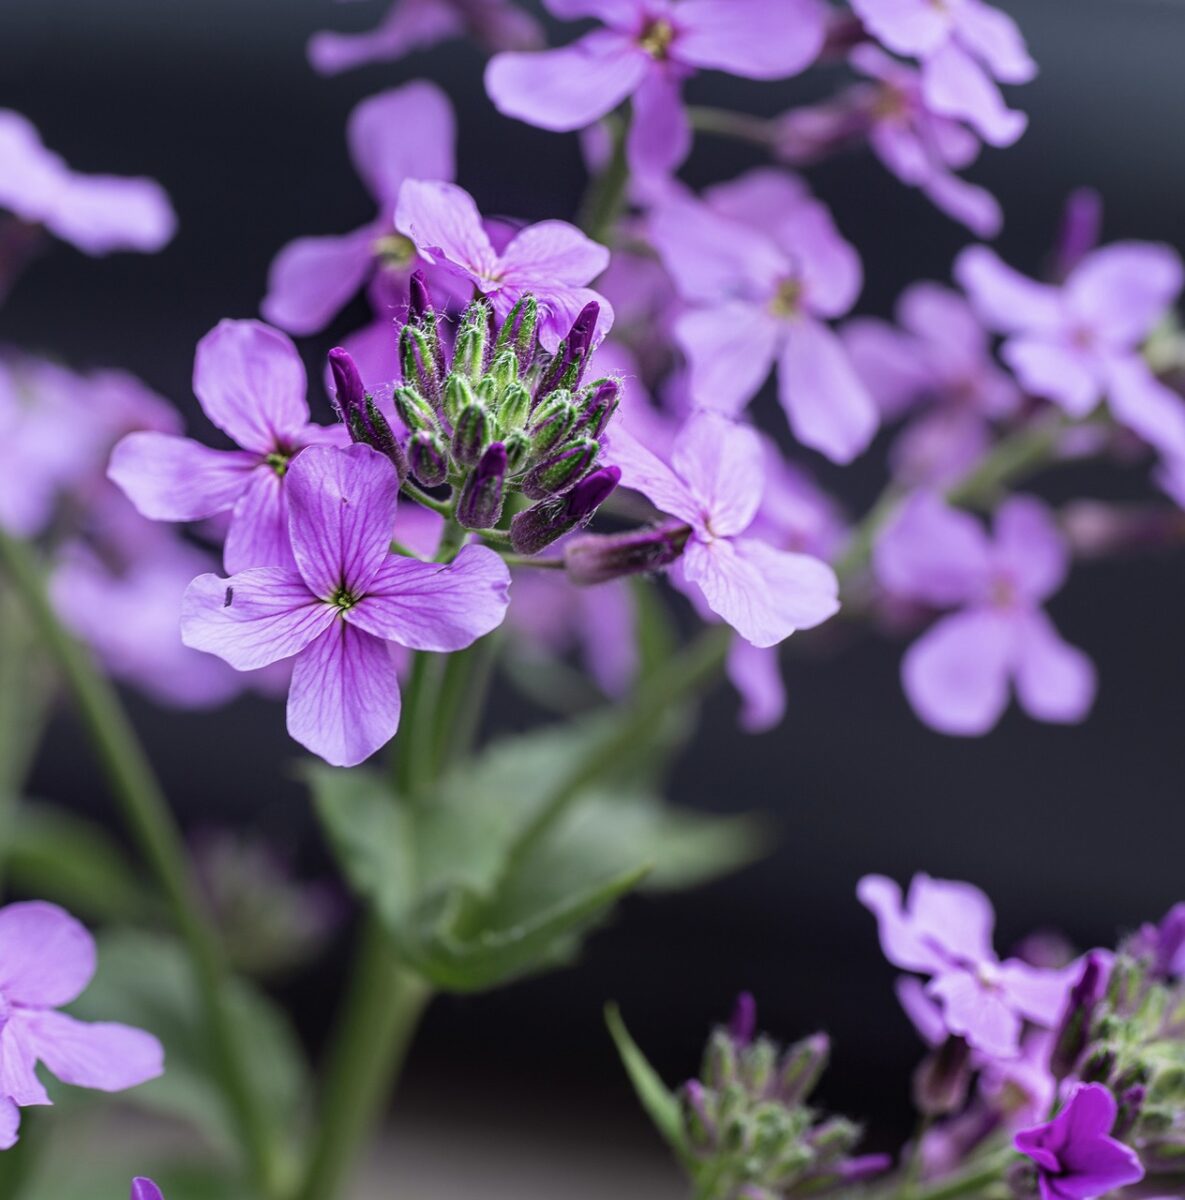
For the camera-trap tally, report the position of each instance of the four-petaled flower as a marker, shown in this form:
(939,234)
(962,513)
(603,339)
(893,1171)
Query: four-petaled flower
(957,674)
(714,484)
(251,383)
(1075,1156)
(944,930)
(46,960)
(346,600)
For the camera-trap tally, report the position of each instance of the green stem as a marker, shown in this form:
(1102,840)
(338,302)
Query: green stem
(134,785)
(444,507)
(413,752)
(380,1015)
(965,1185)
(606,193)
(539,564)
(463,690)
(741,126)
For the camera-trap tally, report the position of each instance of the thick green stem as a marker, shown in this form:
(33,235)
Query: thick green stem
(134,785)
(606,193)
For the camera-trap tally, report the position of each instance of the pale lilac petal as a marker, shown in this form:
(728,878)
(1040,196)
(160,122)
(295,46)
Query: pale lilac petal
(1006,300)
(10,1123)
(1038,994)
(720,461)
(955,915)
(914,28)
(404,133)
(1121,291)
(1030,548)
(344,703)
(444,223)
(933,553)
(551,253)
(956,674)
(1054,680)
(731,350)
(757,676)
(941,317)
(904,942)
(177,479)
(977,1013)
(408,25)
(620,13)
(1055,371)
(558,310)
(756,39)
(827,264)
(103,213)
(103,1056)
(1145,405)
(763,593)
(18,1074)
(251,383)
(569,88)
(923,1012)
(964,202)
(46,957)
(433,606)
(258,532)
(660,134)
(253,618)
(955,85)
(762,198)
(996,39)
(827,405)
(888,362)
(642,471)
(313,278)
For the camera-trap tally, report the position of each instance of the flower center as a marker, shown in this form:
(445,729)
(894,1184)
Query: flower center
(343,599)
(278,460)
(787,300)
(657,38)
(1003,591)
(394,251)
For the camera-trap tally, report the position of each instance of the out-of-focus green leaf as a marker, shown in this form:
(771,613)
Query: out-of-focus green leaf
(657,1099)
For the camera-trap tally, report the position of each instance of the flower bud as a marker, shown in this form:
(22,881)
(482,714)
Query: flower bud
(743,1024)
(514,406)
(471,434)
(480,502)
(419,300)
(518,332)
(598,405)
(567,367)
(428,459)
(536,528)
(720,1061)
(458,395)
(422,359)
(518,451)
(561,471)
(757,1065)
(552,422)
(503,371)
(599,558)
(471,349)
(414,411)
(1073,1032)
(349,392)
(698,1123)
(803,1065)
(942,1079)
(366,424)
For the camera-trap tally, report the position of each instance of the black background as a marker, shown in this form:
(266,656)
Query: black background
(1078,828)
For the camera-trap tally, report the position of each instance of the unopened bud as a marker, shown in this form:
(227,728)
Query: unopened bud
(349,392)
(422,360)
(742,1026)
(552,422)
(598,406)
(698,1123)
(514,407)
(518,451)
(566,369)
(803,1065)
(360,414)
(419,300)
(720,1061)
(458,395)
(471,349)
(757,1065)
(518,332)
(1073,1032)
(942,1079)
(480,502)
(599,558)
(562,470)
(414,411)
(471,434)
(537,527)
(427,458)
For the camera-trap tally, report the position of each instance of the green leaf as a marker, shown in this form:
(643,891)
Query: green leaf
(657,1099)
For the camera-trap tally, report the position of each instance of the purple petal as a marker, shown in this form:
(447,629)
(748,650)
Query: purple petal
(341,506)
(964,202)
(313,278)
(145,1189)
(720,461)
(761,199)
(942,318)
(905,941)
(955,915)
(271,615)
(445,225)
(955,85)
(1039,995)
(177,479)
(104,1056)
(18,1073)
(644,472)
(46,957)
(344,700)
(569,88)
(996,39)
(978,1013)
(757,676)
(756,39)
(10,1123)
(924,1014)
(258,532)
(1145,405)
(913,28)
(731,350)
(1121,291)
(1054,680)
(660,133)
(1030,547)
(763,593)
(1006,300)
(431,606)
(251,383)
(558,310)
(404,133)
(889,363)
(103,213)
(827,264)
(408,25)
(551,253)
(956,674)
(828,407)
(620,13)
(1056,371)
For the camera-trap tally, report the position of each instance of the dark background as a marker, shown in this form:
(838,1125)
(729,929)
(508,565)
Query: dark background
(1079,828)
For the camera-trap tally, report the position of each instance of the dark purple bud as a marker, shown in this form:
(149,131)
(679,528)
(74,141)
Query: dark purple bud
(1131,1105)
(419,299)
(580,339)
(698,1122)
(867,1166)
(536,528)
(1081,227)
(598,407)
(567,367)
(562,470)
(845,31)
(599,558)
(349,392)
(480,503)
(743,1024)
(942,1079)
(802,1067)
(427,459)
(1074,1030)
(471,435)
(360,414)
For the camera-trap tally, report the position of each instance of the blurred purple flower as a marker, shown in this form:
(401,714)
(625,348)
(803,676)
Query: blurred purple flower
(346,599)
(96,213)
(398,134)
(46,960)
(418,24)
(764,268)
(1075,1156)
(1078,343)
(963,46)
(647,50)
(251,383)
(957,674)
(944,930)
(145,1189)
(553,261)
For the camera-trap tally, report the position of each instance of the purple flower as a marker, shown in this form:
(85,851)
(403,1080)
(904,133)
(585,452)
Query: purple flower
(417,24)
(553,261)
(145,1189)
(96,213)
(1079,343)
(251,383)
(963,45)
(714,484)
(944,930)
(404,132)
(46,960)
(346,599)
(957,674)
(1076,1159)
(646,51)
(764,267)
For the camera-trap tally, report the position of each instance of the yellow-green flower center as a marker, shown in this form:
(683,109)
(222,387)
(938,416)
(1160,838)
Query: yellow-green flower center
(657,38)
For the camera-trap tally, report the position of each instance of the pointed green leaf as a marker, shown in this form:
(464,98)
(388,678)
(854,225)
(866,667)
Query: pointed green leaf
(657,1099)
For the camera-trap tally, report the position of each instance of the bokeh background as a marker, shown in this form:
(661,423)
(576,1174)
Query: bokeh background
(1082,829)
